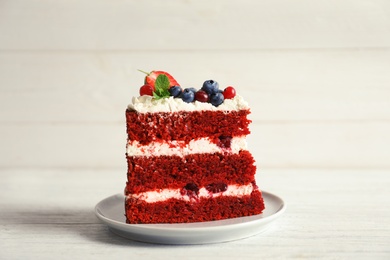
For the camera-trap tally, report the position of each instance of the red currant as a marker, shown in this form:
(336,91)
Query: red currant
(229,92)
(146,90)
(201,96)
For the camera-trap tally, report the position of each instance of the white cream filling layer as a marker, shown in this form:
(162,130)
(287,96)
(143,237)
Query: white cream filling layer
(180,148)
(147,104)
(165,194)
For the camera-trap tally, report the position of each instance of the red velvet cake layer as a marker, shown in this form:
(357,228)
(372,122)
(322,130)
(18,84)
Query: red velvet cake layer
(200,179)
(185,126)
(162,172)
(180,211)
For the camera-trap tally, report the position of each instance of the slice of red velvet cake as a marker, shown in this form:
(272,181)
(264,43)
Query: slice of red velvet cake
(187,155)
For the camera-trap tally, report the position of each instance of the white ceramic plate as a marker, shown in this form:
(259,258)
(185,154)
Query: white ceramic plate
(111,212)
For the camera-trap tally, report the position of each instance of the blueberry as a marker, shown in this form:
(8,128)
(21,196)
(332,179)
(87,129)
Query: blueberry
(193,90)
(175,91)
(216,99)
(188,95)
(210,86)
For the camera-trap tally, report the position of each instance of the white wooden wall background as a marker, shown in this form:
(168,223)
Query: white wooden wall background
(316,73)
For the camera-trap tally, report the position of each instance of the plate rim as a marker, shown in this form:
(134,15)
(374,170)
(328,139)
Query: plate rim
(191,227)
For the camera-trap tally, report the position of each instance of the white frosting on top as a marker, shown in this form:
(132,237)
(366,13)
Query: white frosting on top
(165,194)
(179,148)
(148,104)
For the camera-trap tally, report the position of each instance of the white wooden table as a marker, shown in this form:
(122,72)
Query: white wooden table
(331,214)
(316,74)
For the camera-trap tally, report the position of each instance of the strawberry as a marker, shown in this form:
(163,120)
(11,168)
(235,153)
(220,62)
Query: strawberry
(151,77)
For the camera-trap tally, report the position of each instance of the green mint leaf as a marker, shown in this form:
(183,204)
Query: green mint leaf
(161,87)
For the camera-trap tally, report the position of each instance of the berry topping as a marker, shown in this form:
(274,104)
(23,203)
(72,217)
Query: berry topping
(217,187)
(229,92)
(193,90)
(216,99)
(192,187)
(201,96)
(146,90)
(225,141)
(175,91)
(151,77)
(210,86)
(191,190)
(161,84)
(187,95)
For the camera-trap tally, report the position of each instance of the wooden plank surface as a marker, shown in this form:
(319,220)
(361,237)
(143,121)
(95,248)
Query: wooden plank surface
(322,145)
(316,74)
(189,25)
(331,214)
(280,85)
(309,108)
